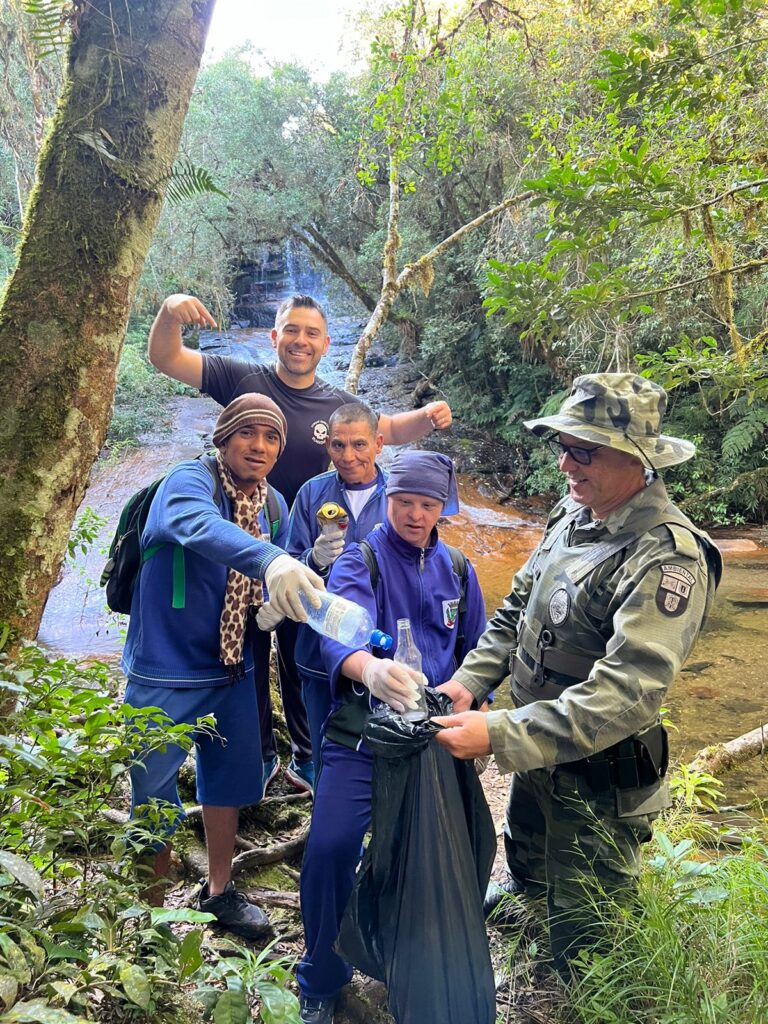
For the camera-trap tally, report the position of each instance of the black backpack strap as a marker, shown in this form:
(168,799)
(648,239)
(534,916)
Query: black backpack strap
(461,568)
(369,557)
(209,461)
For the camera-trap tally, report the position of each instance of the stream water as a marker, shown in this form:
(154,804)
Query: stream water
(721,693)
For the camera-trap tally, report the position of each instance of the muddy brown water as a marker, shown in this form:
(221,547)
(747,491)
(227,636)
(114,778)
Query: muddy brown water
(721,693)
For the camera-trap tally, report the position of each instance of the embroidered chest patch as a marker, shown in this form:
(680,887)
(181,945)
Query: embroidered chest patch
(559,606)
(674,590)
(450,612)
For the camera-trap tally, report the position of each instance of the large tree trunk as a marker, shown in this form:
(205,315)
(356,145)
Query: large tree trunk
(131,69)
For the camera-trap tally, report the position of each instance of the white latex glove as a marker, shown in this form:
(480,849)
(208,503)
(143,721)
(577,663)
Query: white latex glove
(393,683)
(267,618)
(286,578)
(328,545)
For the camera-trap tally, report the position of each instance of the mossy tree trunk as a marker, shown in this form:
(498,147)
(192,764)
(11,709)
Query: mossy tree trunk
(131,68)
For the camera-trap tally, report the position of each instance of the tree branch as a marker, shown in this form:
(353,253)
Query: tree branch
(737,481)
(738,269)
(724,757)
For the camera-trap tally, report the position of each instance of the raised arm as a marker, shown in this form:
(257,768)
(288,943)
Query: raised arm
(165,349)
(402,427)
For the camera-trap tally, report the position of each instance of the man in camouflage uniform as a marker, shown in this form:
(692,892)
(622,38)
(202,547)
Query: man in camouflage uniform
(597,625)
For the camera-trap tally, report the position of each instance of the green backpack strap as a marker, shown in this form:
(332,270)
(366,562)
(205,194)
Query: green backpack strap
(179,570)
(273,511)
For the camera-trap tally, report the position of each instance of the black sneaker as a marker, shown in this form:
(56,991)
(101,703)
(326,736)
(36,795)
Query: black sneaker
(503,903)
(316,1011)
(234,913)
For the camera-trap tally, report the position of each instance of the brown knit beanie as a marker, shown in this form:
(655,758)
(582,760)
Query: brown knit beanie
(249,409)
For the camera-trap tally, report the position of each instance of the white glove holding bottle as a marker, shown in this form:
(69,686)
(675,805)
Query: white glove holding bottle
(395,684)
(286,578)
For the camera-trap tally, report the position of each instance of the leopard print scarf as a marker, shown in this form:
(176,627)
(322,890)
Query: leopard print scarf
(242,591)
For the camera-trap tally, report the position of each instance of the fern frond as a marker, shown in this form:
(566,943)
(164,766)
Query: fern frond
(743,435)
(49,30)
(187,180)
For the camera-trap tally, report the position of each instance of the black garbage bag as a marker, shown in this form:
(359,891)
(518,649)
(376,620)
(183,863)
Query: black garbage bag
(415,918)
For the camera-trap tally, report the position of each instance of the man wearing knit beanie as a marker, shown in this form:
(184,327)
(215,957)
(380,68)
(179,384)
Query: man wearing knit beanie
(207,545)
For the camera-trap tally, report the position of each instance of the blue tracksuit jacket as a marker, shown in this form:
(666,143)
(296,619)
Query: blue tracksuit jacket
(303,532)
(414,583)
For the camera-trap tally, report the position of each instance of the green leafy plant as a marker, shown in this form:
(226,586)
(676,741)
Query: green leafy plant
(695,789)
(77,941)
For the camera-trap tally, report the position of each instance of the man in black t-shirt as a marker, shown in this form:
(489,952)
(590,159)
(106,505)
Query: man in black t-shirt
(300,339)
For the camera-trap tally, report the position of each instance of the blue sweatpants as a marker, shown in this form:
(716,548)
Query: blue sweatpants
(316,694)
(340,818)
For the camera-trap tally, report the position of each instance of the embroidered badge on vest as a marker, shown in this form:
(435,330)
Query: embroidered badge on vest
(559,606)
(674,590)
(450,612)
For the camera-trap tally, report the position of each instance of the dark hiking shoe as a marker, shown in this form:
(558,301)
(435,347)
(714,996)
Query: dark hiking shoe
(504,903)
(234,913)
(301,775)
(316,1011)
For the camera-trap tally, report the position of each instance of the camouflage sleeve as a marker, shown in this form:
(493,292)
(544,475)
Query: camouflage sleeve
(484,668)
(658,605)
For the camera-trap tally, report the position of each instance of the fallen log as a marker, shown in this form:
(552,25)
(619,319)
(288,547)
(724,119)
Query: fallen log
(724,757)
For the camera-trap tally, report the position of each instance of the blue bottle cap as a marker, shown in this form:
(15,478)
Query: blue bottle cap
(381,639)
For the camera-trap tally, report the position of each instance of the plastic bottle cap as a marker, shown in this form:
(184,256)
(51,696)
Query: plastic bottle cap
(381,639)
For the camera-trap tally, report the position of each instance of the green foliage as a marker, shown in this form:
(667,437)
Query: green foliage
(77,942)
(691,950)
(141,397)
(186,181)
(695,790)
(50,25)
(84,532)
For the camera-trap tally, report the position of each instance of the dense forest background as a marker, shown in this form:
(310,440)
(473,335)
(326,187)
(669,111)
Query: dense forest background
(624,143)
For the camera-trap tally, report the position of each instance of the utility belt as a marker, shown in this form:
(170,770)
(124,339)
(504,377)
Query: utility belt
(632,763)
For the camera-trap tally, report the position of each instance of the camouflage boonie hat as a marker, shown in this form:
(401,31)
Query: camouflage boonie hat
(622,411)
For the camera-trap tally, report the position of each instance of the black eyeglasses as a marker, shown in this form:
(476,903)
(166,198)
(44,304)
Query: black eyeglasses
(581,455)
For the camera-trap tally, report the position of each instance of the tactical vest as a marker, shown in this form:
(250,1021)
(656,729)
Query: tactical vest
(558,641)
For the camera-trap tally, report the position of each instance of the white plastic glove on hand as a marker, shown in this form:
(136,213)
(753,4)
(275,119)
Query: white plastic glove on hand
(328,545)
(267,618)
(395,684)
(286,578)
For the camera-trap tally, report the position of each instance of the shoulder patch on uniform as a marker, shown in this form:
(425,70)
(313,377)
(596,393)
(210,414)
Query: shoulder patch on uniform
(674,590)
(685,542)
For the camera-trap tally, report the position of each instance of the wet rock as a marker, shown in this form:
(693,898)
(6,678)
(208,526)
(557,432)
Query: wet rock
(377,360)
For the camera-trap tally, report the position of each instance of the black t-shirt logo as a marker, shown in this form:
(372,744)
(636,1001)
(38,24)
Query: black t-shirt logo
(319,431)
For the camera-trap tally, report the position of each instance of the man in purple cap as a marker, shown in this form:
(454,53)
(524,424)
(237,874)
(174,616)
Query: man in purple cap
(189,654)
(416,580)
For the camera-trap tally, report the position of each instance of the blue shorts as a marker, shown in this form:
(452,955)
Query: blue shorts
(229,767)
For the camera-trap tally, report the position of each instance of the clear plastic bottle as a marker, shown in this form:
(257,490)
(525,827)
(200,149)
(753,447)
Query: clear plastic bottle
(344,621)
(407,653)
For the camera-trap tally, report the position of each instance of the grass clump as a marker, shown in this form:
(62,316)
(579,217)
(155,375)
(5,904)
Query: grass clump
(695,948)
